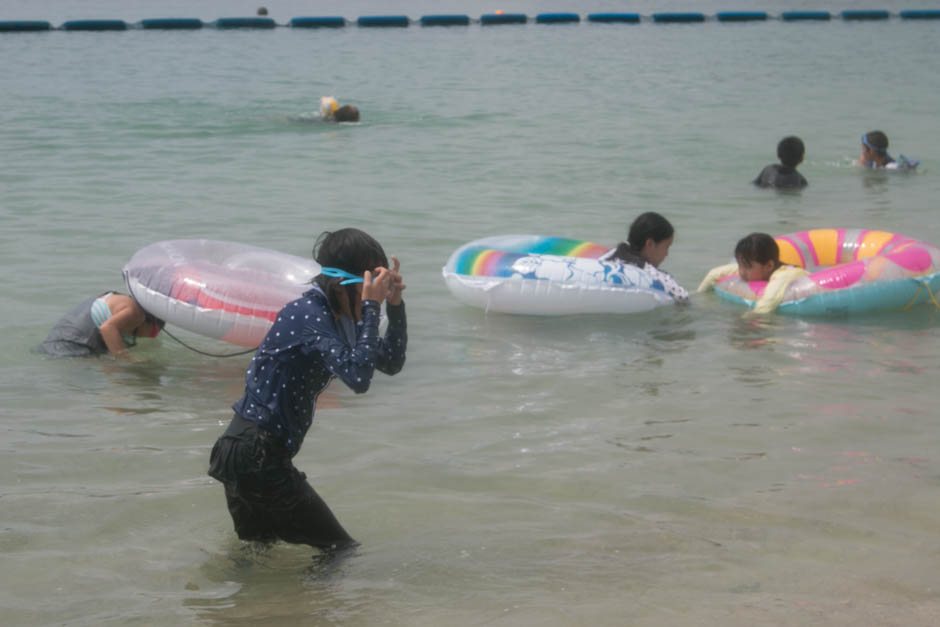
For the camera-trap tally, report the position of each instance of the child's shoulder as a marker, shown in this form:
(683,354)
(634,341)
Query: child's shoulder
(767,175)
(786,270)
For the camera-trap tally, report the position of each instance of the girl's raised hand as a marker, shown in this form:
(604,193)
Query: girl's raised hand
(376,288)
(396,286)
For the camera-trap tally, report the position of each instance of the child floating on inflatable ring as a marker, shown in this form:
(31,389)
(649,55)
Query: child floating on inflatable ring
(330,111)
(332,331)
(647,246)
(757,258)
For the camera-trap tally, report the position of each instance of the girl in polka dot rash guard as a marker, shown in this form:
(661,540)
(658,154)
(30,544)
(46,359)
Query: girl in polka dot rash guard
(332,331)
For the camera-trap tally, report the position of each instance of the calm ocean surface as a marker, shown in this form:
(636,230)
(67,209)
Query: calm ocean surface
(683,467)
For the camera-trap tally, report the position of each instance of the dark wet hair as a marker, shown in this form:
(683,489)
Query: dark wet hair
(877,141)
(347,249)
(790,151)
(152,319)
(346,113)
(757,248)
(649,225)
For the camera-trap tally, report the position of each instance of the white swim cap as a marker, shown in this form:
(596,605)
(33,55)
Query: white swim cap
(328,106)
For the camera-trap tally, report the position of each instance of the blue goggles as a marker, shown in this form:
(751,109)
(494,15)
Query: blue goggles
(336,273)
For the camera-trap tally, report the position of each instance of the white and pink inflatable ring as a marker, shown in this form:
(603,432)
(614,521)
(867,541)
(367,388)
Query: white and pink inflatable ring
(222,290)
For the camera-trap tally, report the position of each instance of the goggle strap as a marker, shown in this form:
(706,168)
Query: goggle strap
(336,273)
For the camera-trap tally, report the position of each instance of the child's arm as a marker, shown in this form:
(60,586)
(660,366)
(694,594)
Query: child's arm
(391,348)
(353,364)
(776,288)
(716,274)
(126,316)
(390,353)
(669,284)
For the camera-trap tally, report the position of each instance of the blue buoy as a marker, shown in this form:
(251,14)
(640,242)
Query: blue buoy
(262,22)
(629,18)
(678,18)
(318,22)
(383,20)
(95,25)
(741,16)
(445,20)
(556,18)
(245,22)
(23,26)
(865,15)
(793,16)
(503,18)
(917,14)
(171,23)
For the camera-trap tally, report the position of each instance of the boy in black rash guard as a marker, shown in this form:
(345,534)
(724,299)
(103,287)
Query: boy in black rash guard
(783,175)
(331,331)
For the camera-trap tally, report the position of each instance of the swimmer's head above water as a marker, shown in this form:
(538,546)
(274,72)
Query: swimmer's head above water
(874,150)
(648,240)
(331,111)
(758,256)
(790,151)
(346,255)
(346,113)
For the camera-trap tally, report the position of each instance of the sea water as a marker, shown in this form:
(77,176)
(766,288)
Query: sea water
(686,466)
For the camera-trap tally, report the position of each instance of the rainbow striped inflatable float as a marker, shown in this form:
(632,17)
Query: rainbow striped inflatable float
(552,276)
(222,290)
(850,271)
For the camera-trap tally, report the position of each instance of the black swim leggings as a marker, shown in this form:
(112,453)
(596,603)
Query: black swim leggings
(267,496)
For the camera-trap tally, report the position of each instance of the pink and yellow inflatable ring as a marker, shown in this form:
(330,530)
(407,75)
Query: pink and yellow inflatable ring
(850,271)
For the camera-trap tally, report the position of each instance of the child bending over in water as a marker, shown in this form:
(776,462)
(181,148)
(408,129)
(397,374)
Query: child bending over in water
(108,323)
(332,331)
(647,246)
(757,258)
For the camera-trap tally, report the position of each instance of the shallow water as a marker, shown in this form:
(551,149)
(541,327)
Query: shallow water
(682,467)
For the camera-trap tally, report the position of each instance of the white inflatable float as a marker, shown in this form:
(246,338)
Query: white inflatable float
(552,276)
(222,290)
